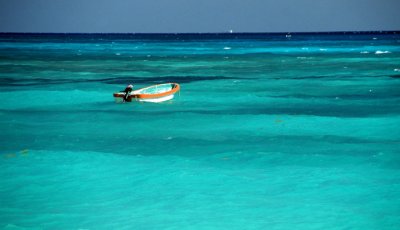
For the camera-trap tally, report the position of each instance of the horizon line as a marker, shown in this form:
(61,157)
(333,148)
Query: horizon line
(224,33)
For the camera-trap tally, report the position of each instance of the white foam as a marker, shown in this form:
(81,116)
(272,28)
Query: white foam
(117,54)
(227,48)
(382,52)
(396,70)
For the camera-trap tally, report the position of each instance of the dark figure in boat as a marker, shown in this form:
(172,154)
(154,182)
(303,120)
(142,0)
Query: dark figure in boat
(127,92)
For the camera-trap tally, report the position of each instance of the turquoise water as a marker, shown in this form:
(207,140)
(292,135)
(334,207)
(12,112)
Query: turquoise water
(268,132)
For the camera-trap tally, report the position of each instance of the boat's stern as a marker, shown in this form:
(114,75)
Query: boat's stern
(119,97)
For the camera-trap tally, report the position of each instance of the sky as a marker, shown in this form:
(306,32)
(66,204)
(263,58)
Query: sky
(197,16)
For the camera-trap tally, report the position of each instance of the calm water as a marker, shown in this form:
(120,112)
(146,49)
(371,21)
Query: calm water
(268,132)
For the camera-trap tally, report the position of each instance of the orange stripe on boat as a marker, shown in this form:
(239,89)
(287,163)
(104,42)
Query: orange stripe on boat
(175,88)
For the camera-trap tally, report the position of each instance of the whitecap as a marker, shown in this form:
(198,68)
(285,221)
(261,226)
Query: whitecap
(227,48)
(117,54)
(396,70)
(323,49)
(382,52)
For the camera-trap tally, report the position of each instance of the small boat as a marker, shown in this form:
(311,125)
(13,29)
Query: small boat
(154,93)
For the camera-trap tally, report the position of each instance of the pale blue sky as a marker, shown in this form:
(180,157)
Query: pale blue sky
(182,16)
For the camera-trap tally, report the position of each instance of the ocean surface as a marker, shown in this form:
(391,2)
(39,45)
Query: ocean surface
(269,131)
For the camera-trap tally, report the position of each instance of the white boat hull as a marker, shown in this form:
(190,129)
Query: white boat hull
(153,100)
(156,100)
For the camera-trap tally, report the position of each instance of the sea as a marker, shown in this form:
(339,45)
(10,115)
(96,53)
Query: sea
(269,131)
